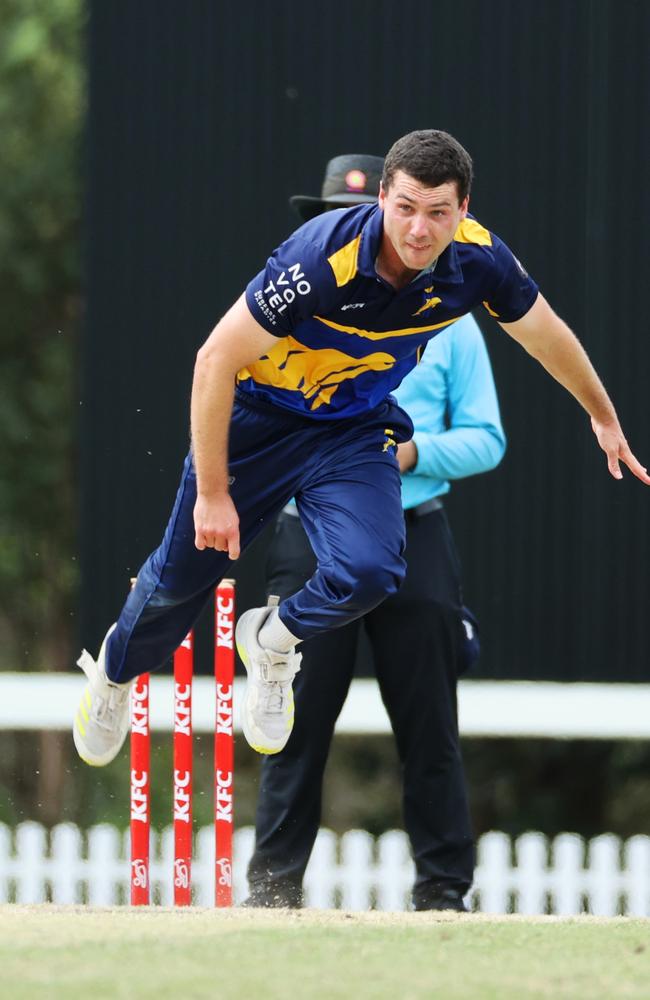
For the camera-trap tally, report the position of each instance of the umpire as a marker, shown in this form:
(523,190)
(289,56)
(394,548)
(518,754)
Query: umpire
(422,638)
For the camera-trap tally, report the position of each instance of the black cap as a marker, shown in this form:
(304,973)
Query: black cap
(352,179)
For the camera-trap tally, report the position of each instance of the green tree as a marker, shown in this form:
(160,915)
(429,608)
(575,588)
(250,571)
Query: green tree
(41,116)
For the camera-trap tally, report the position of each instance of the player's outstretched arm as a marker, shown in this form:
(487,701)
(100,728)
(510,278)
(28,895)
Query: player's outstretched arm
(236,341)
(548,339)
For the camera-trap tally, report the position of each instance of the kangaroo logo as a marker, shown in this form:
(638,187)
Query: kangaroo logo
(429,303)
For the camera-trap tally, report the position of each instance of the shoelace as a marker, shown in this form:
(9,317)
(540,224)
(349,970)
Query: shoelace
(275,691)
(274,699)
(104,710)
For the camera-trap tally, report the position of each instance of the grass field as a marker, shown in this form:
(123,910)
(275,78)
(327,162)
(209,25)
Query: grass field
(69,952)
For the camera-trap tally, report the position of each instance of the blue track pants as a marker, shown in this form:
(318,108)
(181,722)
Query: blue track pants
(345,478)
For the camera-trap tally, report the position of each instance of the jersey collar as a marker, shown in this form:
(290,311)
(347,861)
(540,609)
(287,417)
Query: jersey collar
(447,267)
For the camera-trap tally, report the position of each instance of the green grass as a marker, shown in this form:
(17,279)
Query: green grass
(69,952)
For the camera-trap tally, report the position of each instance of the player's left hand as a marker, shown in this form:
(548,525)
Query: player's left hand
(407,455)
(612,440)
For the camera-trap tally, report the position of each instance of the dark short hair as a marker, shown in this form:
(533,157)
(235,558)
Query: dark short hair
(432,158)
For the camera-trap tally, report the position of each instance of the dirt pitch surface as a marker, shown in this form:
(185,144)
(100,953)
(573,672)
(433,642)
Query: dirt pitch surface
(69,952)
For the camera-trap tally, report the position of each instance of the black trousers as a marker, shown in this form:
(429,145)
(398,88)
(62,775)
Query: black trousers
(416,638)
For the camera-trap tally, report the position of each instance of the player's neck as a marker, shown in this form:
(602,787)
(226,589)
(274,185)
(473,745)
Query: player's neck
(390,266)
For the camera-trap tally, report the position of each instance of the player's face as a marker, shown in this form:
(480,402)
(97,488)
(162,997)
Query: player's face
(420,221)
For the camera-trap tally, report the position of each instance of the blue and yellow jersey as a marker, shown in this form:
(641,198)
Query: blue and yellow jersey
(346,338)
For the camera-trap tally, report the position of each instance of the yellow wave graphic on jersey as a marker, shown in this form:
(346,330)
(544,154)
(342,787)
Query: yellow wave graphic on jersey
(315,373)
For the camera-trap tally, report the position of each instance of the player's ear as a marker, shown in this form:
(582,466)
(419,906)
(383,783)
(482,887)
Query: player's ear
(382,195)
(464,207)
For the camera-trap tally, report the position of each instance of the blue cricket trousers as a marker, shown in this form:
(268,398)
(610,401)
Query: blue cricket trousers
(345,478)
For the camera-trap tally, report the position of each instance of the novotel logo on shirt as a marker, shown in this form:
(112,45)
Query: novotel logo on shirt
(282,292)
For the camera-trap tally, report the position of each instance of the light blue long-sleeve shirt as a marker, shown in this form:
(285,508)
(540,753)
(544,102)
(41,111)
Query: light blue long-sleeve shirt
(451,399)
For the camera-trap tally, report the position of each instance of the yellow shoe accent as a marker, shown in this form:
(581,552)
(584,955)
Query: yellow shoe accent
(91,763)
(82,730)
(266,751)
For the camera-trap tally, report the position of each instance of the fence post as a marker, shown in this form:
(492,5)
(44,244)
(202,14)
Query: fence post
(531,875)
(567,876)
(604,876)
(493,880)
(395,871)
(203,867)
(636,859)
(31,847)
(357,869)
(243,843)
(168,854)
(5,862)
(322,872)
(106,869)
(66,864)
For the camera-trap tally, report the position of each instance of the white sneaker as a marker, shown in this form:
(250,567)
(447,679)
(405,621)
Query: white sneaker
(267,712)
(102,719)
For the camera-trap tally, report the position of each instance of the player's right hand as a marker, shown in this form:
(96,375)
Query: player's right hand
(612,441)
(216,524)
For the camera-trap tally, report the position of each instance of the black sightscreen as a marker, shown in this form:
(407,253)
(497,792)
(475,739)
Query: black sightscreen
(206,116)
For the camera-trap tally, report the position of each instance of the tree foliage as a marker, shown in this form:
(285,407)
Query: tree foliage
(41,114)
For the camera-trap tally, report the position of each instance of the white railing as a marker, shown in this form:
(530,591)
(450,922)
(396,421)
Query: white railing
(485,708)
(566,876)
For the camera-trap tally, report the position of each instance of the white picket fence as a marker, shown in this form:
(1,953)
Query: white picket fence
(567,876)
